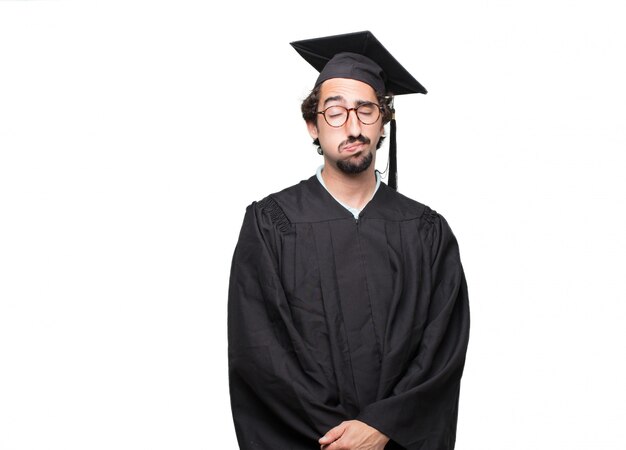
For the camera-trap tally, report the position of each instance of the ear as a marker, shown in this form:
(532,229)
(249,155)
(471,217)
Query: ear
(312,130)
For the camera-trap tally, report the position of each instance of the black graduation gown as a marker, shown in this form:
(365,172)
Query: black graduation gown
(332,318)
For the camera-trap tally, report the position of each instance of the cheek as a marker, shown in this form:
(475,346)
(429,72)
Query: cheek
(375,133)
(328,135)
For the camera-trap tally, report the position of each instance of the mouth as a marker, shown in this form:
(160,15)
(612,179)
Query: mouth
(353,148)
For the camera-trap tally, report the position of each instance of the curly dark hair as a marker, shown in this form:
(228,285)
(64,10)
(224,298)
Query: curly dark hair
(310,107)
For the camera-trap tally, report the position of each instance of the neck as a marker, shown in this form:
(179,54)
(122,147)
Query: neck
(354,190)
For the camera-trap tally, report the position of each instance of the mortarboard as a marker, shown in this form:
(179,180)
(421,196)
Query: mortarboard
(360,56)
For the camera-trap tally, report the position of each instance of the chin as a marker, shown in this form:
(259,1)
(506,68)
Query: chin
(356,164)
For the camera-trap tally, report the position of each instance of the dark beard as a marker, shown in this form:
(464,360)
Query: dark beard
(350,167)
(354,168)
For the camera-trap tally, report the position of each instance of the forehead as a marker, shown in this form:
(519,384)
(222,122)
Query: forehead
(347,89)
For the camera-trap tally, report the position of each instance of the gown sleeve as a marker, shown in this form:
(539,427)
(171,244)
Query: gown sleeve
(421,411)
(276,389)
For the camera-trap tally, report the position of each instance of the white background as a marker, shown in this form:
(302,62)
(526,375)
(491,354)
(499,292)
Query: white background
(134,133)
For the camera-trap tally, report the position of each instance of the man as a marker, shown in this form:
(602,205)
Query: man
(348,311)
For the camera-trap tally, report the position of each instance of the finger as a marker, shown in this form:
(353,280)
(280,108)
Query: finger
(333,434)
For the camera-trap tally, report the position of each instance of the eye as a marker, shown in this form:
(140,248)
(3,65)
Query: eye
(367,110)
(335,111)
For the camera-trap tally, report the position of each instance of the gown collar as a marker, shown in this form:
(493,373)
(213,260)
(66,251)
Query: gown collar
(354,211)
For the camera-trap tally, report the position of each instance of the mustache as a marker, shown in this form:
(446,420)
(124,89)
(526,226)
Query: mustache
(352,139)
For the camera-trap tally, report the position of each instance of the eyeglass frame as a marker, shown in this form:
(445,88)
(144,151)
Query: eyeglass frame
(356,112)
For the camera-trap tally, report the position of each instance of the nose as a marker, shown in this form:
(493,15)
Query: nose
(353,123)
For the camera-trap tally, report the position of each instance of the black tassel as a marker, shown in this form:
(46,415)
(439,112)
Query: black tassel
(393,162)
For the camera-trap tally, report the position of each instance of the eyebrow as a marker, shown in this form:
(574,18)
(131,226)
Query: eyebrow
(340,98)
(333,99)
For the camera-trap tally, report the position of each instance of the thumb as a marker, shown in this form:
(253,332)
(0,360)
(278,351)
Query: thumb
(333,434)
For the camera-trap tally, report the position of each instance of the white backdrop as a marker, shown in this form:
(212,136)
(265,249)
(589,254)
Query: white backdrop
(134,133)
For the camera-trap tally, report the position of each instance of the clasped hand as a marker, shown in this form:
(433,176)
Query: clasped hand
(353,435)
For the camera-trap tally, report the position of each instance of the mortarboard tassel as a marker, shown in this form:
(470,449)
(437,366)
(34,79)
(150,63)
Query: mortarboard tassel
(393,162)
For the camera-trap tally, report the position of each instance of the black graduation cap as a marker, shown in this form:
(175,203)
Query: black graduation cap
(360,56)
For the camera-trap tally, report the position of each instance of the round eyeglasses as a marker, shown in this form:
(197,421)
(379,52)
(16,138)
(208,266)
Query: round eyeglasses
(336,116)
